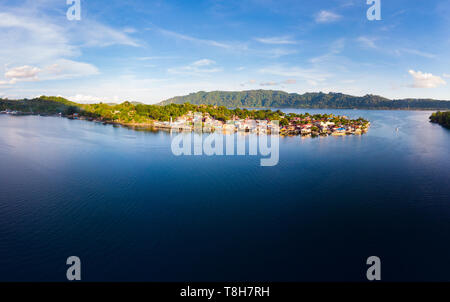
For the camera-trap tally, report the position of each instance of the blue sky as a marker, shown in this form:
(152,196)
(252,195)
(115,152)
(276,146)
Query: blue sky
(147,51)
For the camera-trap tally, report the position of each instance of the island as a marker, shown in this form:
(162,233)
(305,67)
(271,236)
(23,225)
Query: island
(441,118)
(189,117)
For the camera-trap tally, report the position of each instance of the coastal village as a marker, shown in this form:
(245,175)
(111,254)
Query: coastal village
(307,126)
(304,125)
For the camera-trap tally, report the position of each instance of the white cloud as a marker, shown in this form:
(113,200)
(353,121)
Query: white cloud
(61,69)
(279,52)
(66,69)
(8,82)
(276,40)
(250,82)
(335,48)
(241,47)
(312,82)
(348,3)
(156,58)
(273,83)
(45,46)
(370,42)
(80,98)
(296,72)
(367,42)
(268,84)
(196,40)
(200,67)
(44,40)
(94,34)
(445,75)
(290,81)
(325,16)
(129,30)
(348,81)
(418,53)
(22,73)
(425,80)
(203,62)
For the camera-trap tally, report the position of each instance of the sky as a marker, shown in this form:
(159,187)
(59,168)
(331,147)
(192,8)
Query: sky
(151,50)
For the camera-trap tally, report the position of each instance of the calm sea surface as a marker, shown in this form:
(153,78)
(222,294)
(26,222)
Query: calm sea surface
(132,211)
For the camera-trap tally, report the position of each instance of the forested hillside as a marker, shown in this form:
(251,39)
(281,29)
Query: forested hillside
(280,99)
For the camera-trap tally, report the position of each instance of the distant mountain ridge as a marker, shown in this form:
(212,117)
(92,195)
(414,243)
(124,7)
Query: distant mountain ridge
(281,99)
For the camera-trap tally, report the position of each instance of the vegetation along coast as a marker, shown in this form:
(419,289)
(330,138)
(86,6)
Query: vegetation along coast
(187,117)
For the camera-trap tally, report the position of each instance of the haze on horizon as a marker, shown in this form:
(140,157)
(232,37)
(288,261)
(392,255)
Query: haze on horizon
(149,51)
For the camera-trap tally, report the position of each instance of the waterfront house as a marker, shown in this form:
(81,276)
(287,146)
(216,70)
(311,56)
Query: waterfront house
(339,131)
(305,131)
(291,128)
(229,127)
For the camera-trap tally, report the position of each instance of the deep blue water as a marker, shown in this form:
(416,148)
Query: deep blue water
(132,211)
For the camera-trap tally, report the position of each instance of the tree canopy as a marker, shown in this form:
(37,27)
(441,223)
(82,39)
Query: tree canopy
(441,118)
